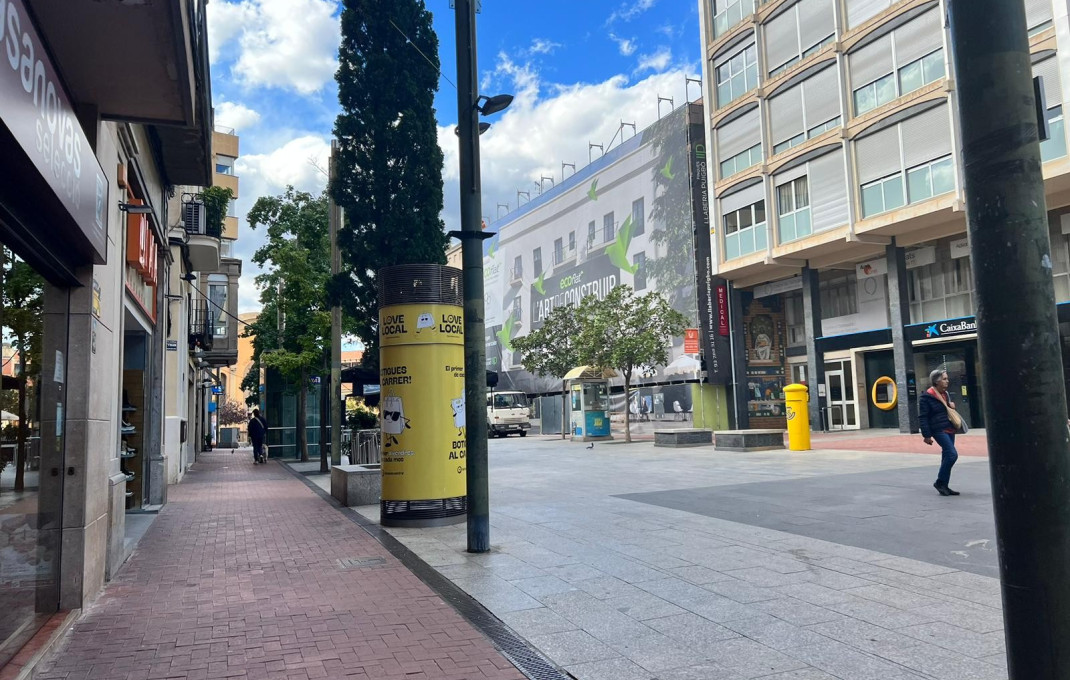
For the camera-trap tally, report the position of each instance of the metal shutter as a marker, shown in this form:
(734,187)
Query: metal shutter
(742,198)
(871,62)
(738,135)
(786,115)
(822,93)
(828,191)
(1037,12)
(878,155)
(918,38)
(727,57)
(781,39)
(926,136)
(1049,71)
(816,22)
(860,10)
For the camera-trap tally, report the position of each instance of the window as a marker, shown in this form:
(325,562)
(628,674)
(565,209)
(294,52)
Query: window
(883,195)
(745,231)
(872,95)
(941,290)
(591,232)
(921,72)
(738,76)
(518,268)
(224,169)
(796,33)
(572,241)
(559,251)
(1055,145)
(609,228)
(217,294)
(232,208)
(823,128)
(728,14)
(741,161)
(839,296)
(638,217)
(639,278)
(514,313)
(536,261)
(785,145)
(793,209)
(931,179)
(796,318)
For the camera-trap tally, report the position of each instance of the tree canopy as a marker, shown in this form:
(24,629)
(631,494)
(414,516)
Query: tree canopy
(388,176)
(552,349)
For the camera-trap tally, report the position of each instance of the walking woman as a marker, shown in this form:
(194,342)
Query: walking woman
(934,412)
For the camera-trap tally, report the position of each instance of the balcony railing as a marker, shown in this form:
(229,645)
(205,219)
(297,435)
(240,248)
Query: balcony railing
(562,255)
(201,325)
(195,218)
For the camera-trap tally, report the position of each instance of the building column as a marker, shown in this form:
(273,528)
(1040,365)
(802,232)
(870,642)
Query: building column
(815,359)
(740,418)
(154,432)
(902,351)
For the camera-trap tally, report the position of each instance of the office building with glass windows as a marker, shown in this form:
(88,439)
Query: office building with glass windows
(839,210)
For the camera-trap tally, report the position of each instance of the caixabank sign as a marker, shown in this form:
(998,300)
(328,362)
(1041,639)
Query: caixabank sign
(947,328)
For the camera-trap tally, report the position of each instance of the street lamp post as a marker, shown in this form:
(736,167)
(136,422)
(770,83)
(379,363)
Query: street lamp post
(471,235)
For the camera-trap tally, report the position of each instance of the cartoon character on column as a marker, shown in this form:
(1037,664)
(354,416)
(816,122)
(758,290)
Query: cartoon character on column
(394,420)
(458,414)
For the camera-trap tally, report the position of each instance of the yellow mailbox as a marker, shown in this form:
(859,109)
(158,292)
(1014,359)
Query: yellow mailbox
(796,399)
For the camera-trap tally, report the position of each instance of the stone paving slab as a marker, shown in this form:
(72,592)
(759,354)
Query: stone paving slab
(632,589)
(239,576)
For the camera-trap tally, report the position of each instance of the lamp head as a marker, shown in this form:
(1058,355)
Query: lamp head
(134,209)
(483,127)
(492,105)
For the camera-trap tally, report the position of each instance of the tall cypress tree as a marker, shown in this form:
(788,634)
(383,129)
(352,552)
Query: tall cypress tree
(389,178)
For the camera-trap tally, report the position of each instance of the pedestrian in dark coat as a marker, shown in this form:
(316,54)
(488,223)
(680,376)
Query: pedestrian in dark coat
(258,434)
(936,425)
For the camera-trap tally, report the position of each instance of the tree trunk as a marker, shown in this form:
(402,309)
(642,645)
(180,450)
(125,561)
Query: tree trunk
(627,407)
(20,457)
(566,424)
(324,436)
(302,407)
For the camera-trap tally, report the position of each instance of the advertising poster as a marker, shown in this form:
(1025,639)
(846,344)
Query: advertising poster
(422,401)
(763,337)
(595,277)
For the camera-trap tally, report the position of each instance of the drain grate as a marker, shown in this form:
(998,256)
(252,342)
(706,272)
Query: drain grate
(358,562)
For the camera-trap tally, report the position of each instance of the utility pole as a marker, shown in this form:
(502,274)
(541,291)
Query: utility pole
(1018,332)
(475,360)
(334,223)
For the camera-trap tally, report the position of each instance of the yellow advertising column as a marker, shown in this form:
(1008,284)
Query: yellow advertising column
(422,403)
(796,398)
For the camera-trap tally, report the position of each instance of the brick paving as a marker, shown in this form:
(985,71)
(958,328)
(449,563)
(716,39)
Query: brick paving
(239,577)
(973,443)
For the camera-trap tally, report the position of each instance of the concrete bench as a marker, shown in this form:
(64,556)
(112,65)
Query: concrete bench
(749,440)
(683,437)
(355,485)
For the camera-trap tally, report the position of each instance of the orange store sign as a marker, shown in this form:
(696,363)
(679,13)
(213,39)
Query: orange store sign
(141,252)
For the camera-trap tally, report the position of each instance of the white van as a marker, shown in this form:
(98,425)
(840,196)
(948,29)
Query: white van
(507,412)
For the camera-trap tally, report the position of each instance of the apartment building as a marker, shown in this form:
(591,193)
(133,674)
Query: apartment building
(839,215)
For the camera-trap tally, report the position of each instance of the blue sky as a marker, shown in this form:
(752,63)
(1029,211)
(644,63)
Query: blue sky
(577,69)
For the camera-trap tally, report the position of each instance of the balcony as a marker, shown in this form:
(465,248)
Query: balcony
(564,256)
(203,245)
(226,329)
(516,276)
(201,322)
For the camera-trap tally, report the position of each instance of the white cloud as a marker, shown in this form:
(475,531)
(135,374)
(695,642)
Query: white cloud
(628,12)
(542,46)
(237,116)
(288,44)
(657,62)
(626,46)
(548,124)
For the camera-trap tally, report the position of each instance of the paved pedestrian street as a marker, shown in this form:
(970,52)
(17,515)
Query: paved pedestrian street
(628,561)
(242,576)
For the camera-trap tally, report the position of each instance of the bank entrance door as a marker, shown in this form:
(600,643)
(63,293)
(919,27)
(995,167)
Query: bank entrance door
(842,404)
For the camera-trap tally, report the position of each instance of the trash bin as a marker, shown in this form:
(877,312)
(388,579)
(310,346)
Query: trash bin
(797,397)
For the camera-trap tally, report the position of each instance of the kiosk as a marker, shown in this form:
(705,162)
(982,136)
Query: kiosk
(588,389)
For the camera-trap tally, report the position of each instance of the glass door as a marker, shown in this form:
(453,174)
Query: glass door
(836,404)
(842,405)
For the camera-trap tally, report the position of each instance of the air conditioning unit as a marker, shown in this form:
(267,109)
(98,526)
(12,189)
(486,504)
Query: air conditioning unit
(193,217)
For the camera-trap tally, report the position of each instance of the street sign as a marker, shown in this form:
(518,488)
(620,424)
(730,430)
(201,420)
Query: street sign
(691,341)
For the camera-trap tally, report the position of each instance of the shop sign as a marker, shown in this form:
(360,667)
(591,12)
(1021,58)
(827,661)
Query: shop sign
(778,287)
(960,248)
(867,270)
(712,293)
(172,345)
(919,257)
(217,389)
(722,310)
(942,329)
(690,341)
(38,114)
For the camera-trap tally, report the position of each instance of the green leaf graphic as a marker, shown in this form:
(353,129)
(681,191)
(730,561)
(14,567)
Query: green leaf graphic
(592,193)
(492,251)
(618,250)
(667,172)
(505,335)
(539,282)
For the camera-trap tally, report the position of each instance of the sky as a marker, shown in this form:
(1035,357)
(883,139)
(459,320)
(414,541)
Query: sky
(577,69)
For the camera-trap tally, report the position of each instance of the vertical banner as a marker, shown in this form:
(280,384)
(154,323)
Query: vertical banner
(712,303)
(421,367)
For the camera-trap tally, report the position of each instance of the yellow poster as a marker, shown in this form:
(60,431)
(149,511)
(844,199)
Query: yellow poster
(421,366)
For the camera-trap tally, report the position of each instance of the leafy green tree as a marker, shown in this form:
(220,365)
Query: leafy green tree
(552,350)
(292,332)
(625,331)
(23,306)
(389,173)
